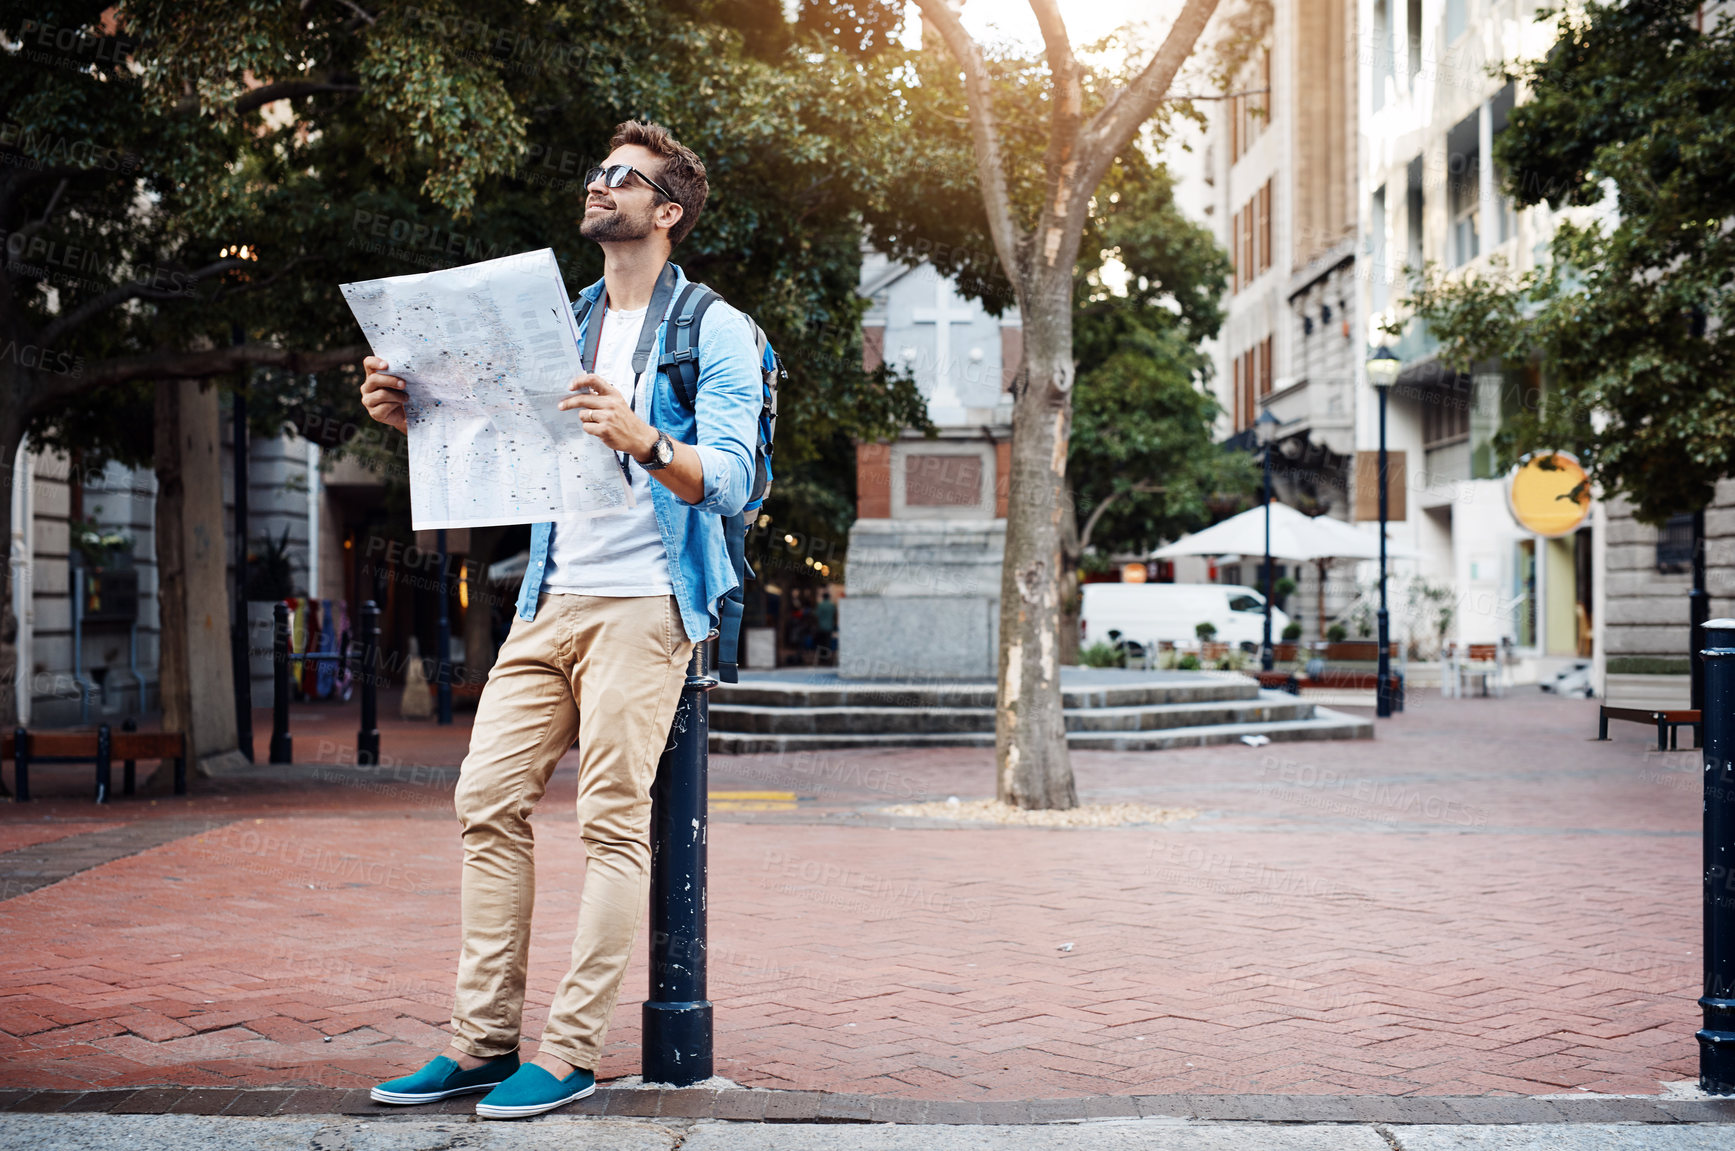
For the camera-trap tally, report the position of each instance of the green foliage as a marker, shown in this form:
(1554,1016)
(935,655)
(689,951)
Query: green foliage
(98,546)
(1291,631)
(1628,326)
(270,574)
(1101,654)
(1205,630)
(1188,662)
(432,135)
(1336,633)
(1142,460)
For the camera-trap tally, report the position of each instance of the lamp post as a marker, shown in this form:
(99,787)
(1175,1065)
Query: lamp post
(1383,368)
(1265,432)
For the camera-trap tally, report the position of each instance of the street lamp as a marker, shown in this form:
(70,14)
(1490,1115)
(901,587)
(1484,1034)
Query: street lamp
(1265,433)
(1383,368)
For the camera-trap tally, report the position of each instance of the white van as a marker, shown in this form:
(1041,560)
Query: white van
(1145,613)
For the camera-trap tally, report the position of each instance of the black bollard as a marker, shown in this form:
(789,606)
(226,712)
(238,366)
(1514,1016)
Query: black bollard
(676,1043)
(129,767)
(367,741)
(20,765)
(282,747)
(1717,1039)
(104,764)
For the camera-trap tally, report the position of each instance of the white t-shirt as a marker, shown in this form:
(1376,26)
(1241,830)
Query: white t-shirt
(621,554)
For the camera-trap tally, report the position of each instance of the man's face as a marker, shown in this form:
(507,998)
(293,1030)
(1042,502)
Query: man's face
(631,211)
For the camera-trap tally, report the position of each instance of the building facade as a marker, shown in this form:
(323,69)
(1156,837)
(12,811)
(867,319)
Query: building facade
(1430,195)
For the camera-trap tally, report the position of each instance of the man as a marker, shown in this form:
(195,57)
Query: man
(607,618)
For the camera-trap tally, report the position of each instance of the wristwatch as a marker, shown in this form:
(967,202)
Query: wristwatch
(662,453)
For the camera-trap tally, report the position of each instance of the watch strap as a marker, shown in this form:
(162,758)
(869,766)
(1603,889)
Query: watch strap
(657,462)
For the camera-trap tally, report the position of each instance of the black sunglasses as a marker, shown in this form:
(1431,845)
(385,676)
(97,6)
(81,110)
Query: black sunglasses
(616,175)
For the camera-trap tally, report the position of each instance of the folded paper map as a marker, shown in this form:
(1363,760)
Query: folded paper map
(486,352)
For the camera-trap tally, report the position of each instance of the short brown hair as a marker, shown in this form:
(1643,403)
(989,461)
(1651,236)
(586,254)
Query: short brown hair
(683,172)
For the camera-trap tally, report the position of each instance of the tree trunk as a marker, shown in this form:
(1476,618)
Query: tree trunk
(1030,728)
(197,674)
(1071,589)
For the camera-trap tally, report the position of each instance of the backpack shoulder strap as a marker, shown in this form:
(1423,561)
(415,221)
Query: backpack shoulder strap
(589,320)
(732,607)
(680,357)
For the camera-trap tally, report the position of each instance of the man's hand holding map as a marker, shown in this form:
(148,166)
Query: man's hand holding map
(486,353)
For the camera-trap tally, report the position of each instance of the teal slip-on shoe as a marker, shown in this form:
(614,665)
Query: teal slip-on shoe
(531,1091)
(442,1078)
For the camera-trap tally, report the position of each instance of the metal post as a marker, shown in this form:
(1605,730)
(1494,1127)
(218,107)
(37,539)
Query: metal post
(104,764)
(129,767)
(442,644)
(1267,658)
(78,645)
(239,640)
(20,765)
(1383,689)
(1698,611)
(282,747)
(1717,1039)
(677,1015)
(367,741)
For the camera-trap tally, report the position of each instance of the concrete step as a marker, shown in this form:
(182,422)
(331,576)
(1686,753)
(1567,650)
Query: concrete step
(1324,724)
(1121,689)
(1267,707)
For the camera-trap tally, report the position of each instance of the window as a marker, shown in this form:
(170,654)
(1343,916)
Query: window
(1250,106)
(1380,272)
(1253,380)
(1446,414)
(1250,238)
(1457,18)
(1413,33)
(1383,61)
(1413,206)
(1675,544)
(1263,202)
(1464,189)
(1246,603)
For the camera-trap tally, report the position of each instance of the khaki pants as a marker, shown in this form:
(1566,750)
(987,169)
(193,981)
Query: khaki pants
(607,672)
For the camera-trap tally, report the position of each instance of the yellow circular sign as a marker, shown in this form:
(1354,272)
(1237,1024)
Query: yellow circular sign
(1549,493)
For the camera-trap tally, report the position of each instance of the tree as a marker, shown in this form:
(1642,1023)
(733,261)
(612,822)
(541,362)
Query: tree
(1627,328)
(231,164)
(1142,462)
(1036,243)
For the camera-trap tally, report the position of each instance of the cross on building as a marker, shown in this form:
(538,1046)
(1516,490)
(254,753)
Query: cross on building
(944,404)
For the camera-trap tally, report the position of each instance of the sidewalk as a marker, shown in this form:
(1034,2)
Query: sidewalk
(1478,903)
(188,1133)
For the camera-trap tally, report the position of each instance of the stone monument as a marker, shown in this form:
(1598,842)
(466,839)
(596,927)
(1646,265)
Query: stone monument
(923,578)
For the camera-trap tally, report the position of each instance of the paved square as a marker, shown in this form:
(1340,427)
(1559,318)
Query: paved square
(1479,901)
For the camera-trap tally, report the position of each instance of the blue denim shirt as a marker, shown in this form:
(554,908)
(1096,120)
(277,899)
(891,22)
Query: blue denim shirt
(723,430)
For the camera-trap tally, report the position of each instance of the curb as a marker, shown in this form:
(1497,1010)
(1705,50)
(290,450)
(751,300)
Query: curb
(755,1105)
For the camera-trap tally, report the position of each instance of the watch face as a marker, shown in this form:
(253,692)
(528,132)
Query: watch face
(665,450)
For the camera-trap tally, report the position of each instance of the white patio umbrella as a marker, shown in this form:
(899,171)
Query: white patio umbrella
(1293,537)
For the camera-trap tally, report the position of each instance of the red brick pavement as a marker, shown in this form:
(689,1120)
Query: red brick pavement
(1479,901)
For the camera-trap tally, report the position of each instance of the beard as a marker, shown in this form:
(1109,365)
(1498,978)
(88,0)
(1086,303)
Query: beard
(618,225)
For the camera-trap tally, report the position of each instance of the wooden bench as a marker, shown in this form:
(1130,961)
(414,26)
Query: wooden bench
(1335,678)
(100,747)
(1669,722)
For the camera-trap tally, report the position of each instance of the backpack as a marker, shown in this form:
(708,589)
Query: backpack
(679,360)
